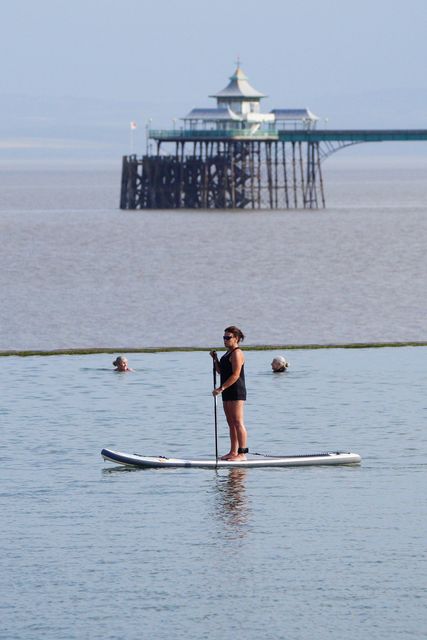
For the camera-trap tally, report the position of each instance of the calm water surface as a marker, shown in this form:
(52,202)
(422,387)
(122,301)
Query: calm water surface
(77,272)
(94,551)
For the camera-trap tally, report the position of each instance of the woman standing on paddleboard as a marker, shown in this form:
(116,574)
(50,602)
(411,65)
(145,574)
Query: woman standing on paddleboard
(233,390)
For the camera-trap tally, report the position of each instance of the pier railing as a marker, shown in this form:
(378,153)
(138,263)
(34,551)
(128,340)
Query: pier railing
(176,135)
(291,135)
(353,135)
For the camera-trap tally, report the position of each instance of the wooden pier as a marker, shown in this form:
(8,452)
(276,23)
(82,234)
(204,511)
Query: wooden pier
(235,170)
(226,175)
(235,156)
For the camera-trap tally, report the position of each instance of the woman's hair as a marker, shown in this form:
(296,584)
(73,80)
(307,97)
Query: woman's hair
(236,333)
(119,360)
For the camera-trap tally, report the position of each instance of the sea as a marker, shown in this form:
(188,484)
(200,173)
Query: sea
(92,550)
(76,272)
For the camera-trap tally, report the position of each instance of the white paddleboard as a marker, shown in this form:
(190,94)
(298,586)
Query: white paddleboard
(298,460)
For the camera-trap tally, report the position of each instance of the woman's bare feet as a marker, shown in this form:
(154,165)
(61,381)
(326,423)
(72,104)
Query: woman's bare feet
(233,457)
(229,456)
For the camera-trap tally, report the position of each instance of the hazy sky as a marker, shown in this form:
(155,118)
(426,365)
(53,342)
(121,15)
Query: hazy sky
(82,69)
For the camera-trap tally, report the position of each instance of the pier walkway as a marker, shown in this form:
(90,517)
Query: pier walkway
(353,135)
(290,135)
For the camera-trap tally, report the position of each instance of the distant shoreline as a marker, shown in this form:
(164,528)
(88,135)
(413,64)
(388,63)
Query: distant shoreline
(24,353)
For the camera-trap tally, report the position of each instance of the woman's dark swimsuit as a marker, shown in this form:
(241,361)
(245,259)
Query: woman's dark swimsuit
(237,391)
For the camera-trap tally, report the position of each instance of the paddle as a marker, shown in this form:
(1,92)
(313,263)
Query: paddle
(215,414)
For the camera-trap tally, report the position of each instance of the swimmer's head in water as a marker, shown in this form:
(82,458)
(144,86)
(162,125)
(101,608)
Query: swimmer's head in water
(121,362)
(279,364)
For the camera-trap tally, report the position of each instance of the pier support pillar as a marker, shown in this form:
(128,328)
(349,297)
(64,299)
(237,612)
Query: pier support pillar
(231,174)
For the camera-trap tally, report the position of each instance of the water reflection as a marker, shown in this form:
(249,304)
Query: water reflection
(232,507)
(122,469)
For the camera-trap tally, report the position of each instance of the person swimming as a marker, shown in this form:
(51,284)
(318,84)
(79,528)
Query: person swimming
(279,364)
(121,364)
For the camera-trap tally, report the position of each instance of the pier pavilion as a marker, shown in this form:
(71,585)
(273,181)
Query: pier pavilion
(234,156)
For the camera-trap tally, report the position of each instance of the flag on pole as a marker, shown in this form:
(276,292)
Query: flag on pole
(133,124)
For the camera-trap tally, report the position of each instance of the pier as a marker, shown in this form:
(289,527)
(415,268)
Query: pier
(236,157)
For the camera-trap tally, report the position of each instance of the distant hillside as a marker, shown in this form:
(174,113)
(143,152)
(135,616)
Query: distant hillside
(34,127)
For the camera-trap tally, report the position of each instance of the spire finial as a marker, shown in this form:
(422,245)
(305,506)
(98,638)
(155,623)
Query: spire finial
(238,61)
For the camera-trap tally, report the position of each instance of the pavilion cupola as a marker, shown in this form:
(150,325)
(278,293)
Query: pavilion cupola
(239,95)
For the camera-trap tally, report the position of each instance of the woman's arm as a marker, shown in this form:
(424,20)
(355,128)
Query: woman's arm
(214,357)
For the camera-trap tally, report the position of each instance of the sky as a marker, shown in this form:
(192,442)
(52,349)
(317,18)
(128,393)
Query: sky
(74,74)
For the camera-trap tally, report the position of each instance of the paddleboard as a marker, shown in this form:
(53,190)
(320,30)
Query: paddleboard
(298,460)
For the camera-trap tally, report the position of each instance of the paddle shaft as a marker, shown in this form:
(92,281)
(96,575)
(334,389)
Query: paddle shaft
(215,413)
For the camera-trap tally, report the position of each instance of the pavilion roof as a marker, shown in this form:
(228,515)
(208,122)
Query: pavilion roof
(293,114)
(239,88)
(222,114)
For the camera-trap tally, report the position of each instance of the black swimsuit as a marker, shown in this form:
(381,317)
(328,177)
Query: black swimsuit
(237,391)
